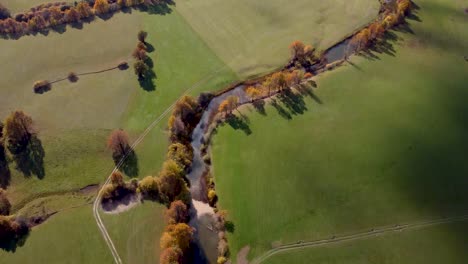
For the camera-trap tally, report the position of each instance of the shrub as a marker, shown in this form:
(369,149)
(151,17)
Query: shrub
(4,12)
(148,187)
(212,196)
(72,77)
(221,260)
(142,36)
(41,87)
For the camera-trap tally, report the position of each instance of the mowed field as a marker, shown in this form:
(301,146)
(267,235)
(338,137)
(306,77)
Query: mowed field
(252,36)
(425,246)
(382,143)
(72,236)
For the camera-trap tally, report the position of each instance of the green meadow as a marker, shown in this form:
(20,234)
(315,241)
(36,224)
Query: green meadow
(380,141)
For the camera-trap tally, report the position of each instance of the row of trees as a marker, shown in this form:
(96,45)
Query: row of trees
(54,14)
(142,64)
(394,14)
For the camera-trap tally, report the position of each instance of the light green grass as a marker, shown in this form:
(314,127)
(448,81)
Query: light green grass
(136,233)
(386,146)
(252,37)
(74,119)
(426,246)
(72,236)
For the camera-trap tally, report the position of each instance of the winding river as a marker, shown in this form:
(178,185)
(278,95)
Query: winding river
(202,215)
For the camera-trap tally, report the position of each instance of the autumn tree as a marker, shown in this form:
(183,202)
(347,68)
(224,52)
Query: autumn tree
(229,104)
(297,50)
(148,187)
(253,92)
(84,9)
(181,154)
(140,54)
(18,131)
(178,235)
(101,6)
(117,178)
(171,255)
(171,183)
(293,78)
(118,143)
(278,81)
(72,15)
(142,36)
(376,30)
(141,69)
(177,213)
(362,39)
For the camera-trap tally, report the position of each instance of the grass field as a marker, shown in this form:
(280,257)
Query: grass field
(385,146)
(427,246)
(74,120)
(72,236)
(252,36)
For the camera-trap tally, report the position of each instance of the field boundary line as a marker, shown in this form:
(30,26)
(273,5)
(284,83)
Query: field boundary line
(358,236)
(96,203)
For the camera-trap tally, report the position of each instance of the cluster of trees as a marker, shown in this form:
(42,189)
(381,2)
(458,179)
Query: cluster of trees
(394,14)
(141,65)
(184,118)
(303,55)
(176,239)
(118,188)
(53,14)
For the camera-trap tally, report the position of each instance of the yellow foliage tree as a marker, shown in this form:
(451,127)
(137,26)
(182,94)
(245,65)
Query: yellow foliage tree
(101,6)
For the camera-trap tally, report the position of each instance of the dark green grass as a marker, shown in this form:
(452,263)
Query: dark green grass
(426,246)
(387,144)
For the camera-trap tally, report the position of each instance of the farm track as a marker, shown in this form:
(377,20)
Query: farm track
(358,236)
(96,203)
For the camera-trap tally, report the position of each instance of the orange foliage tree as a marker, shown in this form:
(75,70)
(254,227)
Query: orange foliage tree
(101,6)
(118,143)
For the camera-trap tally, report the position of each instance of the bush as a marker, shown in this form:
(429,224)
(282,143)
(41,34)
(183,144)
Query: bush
(41,87)
(148,187)
(72,77)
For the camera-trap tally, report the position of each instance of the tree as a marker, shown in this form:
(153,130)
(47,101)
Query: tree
(171,255)
(142,36)
(178,235)
(42,86)
(18,131)
(72,77)
(149,187)
(141,69)
(118,143)
(101,6)
(84,9)
(278,81)
(376,30)
(253,92)
(117,178)
(181,154)
(170,181)
(139,54)
(229,104)
(361,40)
(177,213)
(72,15)
(297,50)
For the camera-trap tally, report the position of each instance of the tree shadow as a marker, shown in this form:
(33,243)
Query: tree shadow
(30,161)
(5,174)
(147,80)
(230,227)
(239,123)
(259,105)
(294,102)
(149,48)
(130,164)
(162,8)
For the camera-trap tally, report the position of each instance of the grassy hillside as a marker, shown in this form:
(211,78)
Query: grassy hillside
(385,145)
(252,36)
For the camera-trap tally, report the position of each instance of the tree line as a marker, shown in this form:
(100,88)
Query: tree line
(50,15)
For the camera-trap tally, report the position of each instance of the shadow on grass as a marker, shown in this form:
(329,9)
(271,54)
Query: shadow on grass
(30,160)
(5,175)
(147,80)
(130,164)
(239,123)
(12,239)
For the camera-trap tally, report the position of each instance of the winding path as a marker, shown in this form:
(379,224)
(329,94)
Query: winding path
(97,201)
(357,236)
